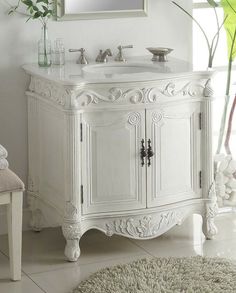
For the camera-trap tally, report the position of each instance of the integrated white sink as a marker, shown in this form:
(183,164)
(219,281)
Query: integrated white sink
(110,70)
(119,68)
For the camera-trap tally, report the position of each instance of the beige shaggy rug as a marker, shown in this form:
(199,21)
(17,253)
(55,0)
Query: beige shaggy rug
(164,275)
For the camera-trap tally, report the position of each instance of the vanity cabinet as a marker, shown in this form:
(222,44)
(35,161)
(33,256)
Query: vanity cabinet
(115,174)
(132,158)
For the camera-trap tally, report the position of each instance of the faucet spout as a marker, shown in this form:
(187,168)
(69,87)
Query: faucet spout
(103,56)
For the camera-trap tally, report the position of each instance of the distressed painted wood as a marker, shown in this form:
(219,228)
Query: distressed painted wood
(85,165)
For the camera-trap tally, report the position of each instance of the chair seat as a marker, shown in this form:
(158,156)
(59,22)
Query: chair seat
(9,182)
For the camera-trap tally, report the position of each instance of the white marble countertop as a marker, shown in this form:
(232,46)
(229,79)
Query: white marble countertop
(72,74)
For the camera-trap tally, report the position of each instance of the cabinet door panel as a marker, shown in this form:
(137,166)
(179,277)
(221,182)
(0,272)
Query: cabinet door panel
(113,178)
(174,171)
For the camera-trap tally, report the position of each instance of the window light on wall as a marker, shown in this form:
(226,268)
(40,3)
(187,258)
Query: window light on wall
(206,17)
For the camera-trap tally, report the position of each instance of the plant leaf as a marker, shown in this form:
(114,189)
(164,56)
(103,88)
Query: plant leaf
(11,11)
(37,15)
(42,1)
(229,7)
(212,3)
(27,2)
(28,19)
(35,8)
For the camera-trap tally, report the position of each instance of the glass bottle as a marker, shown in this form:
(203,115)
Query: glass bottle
(44,49)
(58,52)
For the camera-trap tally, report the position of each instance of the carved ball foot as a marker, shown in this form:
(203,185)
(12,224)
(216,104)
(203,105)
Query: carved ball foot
(72,250)
(72,233)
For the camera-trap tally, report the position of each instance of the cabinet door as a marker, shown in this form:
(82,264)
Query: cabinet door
(112,176)
(175,167)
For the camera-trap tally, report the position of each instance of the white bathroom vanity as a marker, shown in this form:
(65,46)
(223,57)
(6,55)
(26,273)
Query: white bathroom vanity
(123,148)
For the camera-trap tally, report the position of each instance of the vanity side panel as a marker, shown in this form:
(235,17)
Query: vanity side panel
(52,159)
(46,162)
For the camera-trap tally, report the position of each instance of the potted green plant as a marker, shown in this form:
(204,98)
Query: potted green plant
(40,10)
(230,26)
(225,165)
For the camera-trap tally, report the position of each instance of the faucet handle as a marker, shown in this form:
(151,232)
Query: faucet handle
(120,57)
(82,59)
(126,47)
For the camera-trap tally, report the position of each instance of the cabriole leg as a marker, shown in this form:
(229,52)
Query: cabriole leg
(72,234)
(209,228)
(211,210)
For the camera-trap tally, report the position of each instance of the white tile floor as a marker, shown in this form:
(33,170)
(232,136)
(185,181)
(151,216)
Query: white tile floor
(44,268)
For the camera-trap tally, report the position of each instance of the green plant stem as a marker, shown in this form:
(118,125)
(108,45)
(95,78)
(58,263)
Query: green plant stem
(198,24)
(213,45)
(230,63)
(227,97)
(13,9)
(229,128)
(231,6)
(35,12)
(222,125)
(229,77)
(44,44)
(217,35)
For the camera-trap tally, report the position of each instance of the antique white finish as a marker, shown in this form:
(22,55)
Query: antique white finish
(85,140)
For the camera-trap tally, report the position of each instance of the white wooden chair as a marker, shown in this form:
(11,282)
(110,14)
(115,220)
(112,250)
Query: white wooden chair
(11,194)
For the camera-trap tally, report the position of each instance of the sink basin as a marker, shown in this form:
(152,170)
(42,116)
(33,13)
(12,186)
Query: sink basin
(114,69)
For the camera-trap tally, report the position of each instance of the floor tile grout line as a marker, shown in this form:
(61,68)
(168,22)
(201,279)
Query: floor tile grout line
(141,247)
(3,253)
(25,274)
(35,283)
(85,264)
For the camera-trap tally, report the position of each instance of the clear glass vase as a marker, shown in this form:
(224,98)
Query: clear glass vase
(44,49)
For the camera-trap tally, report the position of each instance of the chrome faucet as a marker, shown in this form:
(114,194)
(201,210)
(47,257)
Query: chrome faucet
(120,56)
(82,59)
(102,56)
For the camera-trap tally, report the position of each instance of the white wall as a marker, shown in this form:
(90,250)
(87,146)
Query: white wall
(164,26)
